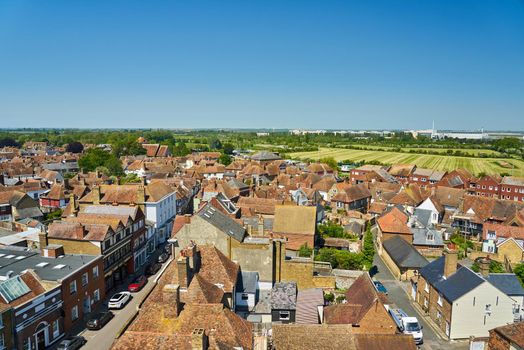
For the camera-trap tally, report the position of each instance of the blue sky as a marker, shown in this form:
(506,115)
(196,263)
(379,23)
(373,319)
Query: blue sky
(251,64)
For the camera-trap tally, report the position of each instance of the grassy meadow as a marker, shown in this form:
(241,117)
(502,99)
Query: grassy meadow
(475,165)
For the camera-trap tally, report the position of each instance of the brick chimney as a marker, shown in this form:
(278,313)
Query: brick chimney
(96,194)
(72,203)
(198,339)
(484,266)
(52,251)
(141,196)
(183,272)
(450,262)
(42,239)
(171,300)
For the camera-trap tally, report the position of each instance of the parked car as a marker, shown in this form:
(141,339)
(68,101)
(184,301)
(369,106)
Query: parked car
(119,300)
(137,284)
(162,258)
(72,343)
(153,268)
(99,320)
(380,287)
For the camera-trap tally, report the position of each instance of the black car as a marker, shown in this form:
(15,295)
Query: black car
(153,268)
(72,343)
(168,249)
(99,320)
(162,258)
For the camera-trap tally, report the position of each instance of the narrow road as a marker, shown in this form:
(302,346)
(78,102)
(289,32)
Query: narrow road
(397,295)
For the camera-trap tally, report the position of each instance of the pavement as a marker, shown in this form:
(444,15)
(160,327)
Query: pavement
(103,339)
(397,294)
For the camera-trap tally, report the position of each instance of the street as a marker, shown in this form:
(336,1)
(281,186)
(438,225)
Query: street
(397,294)
(103,339)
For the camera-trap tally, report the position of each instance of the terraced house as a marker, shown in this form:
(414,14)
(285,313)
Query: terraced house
(461,302)
(116,232)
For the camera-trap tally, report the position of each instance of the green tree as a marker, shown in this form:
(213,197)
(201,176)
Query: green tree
(329,297)
(180,150)
(130,178)
(494,267)
(304,251)
(341,259)
(519,272)
(96,158)
(224,159)
(228,148)
(215,144)
(329,161)
(368,249)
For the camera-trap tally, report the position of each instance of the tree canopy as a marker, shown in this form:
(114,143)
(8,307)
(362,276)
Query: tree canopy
(96,158)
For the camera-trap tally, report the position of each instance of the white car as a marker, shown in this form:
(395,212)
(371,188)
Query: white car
(119,300)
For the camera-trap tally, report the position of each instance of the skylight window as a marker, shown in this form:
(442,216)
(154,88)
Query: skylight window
(42,264)
(13,288)
(19,257)
(59,266)
(10,256)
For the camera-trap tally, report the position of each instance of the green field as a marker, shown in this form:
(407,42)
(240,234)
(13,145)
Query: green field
(475,165)
(471,151)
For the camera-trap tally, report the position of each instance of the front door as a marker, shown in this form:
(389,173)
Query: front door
(413,290)
(40,340)
(87,305)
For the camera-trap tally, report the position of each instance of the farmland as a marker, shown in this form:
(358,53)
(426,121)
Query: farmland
(475,165)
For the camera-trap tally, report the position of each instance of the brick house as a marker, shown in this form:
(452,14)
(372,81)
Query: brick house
(37,310)
(486,186)
(512,188)
(504,240)
(118,236)
(392,224)
(458,301)
(360,174)
(509,337)
(356,197)
(426,177)
(80,277)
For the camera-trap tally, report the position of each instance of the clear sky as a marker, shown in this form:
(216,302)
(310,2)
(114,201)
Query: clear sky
(250,64)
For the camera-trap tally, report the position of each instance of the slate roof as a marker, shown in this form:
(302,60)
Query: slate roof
(264,156)
(508,283)
(222,222)
(45,268)
(456,285)
(247,282)
(284,296)
(420,237)
(423,216)
(404,254)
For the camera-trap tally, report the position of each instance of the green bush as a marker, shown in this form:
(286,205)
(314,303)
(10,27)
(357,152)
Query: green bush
(304,251)
(329,297)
